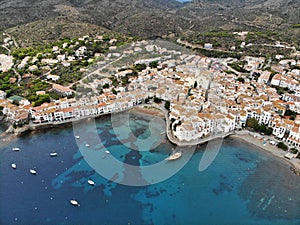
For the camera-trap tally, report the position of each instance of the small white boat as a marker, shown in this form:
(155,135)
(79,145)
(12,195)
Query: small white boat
(32,171)
(107,152)
(74,202)
(87,145)
(174,156)
(53,154)
(91,182)
(77,137)
(14,166)
(16,149)
(162,132)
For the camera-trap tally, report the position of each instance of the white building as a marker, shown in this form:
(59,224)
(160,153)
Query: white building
(2,94)
(264,77)
(81,51)
(294,135)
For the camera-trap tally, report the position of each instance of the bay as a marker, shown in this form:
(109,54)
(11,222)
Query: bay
(243,185)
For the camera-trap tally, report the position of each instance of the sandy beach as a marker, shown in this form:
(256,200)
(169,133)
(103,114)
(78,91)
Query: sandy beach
(153,111)
(272,149)
(148,110)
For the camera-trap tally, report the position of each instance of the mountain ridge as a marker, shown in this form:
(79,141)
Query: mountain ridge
(151,18)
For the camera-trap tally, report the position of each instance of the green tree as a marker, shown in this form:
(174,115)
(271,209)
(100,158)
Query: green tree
(40,56)
(153,64)
(282,146)
(41,99)
(237,67)
(106,85)
(167,105)
(156,100)
(241,79)
(140,67)
(253,123)
(291,114)
(294,150)
(15,102)
(269,131)
(124,81)
(262,128)
(54,95)
(195,84)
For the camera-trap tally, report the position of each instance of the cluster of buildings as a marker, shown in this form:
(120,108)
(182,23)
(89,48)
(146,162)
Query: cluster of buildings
(67,109)
(204,98)
(229,103)
(65,54)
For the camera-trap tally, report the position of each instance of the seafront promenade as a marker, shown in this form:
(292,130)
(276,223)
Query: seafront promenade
(45,125)
(245,135)
(240,134)
(38,126)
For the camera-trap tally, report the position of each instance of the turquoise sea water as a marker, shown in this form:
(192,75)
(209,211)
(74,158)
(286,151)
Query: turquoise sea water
(242,185)
(184,0)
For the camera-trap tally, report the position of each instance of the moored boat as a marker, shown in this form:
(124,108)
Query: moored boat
(53,154)
(74,202)
(107,152)
(77,137)
(174,156)
(87,145)
(14,166)
(91,182)
(32,171)
(16,149)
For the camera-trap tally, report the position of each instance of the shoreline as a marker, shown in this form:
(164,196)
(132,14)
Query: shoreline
(268,148)
(148,110)
(139,109)
(156,110)
(271,150)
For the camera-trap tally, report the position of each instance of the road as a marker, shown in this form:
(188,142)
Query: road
(193,46)
(94,72)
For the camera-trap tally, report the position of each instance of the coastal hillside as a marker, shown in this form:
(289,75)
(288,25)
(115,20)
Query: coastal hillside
(148,18)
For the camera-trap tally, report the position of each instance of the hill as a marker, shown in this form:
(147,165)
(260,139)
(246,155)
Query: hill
(149,18)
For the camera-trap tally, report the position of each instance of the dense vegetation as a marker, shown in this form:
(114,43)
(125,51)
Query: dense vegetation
(5,84)
(218,53)
(282,146)
(237,66)
(253,123)
(26,88)
(291,114)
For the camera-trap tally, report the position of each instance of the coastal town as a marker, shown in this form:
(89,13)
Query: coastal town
(203,97)
(154,112)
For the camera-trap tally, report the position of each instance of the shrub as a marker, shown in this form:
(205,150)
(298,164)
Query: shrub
(106,85)
(140,67)
(167,105)
(241,79)
(282,146)
(156,100)
(294,150)
(153,64)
